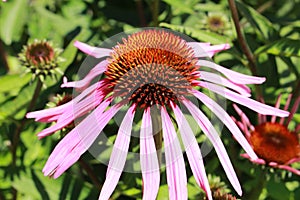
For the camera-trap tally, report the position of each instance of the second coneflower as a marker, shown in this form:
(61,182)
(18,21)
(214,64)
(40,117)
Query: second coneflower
(272,141)
(151,68)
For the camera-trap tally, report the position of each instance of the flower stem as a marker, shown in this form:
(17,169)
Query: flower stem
(3,56)
(140,10)
(244,46)
(90,173)
(155,12)
(157,131)
(20,127)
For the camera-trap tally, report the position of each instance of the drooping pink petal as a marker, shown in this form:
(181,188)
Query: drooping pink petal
(82,84)
(277,104)
(228,122)
(289,168)
(76,142)
(215,78)
(148,158)
(92,51)
(256,161)
(192,151)
(205,49)
(213,136)
(252,104)
(53,114)
(244,117)
(118,156)
(232,75)
(176,174)
(73,112)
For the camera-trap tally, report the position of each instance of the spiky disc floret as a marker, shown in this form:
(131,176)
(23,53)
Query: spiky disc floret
(275,143)
(151,67)
(41,58)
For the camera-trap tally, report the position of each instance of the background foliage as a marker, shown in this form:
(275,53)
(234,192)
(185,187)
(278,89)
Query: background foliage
(271,29)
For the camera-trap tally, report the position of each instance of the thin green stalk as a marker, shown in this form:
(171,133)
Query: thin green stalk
(157,130)
(155,12)
(244,46)
(20,127)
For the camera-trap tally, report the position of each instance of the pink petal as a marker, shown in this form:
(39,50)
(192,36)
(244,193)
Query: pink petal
(215,78)
(256,161)
(252,104)
(206,50)
(76,142)
(54,113)
(82,84)
(213,136)
(289,168)
(225,118)
(149,160)
(73,112)
(232,75)
(118,155)
(192,151)
(176,174)
(92,51)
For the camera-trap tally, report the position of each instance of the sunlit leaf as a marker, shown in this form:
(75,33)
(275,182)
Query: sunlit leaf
(283,47)
(12,20)
(201,35)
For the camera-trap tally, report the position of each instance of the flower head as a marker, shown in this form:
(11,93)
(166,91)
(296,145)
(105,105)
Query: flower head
(272,141)
(151,69)
(40,58)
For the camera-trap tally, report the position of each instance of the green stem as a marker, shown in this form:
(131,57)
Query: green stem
(155,12)
(157,131)
(244,46)
(19,129)
(90,173)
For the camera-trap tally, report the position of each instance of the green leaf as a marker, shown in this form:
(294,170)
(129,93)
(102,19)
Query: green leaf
(12,20)
(201,35)
(261,24)
(283,47)
(13,82)
(181,6)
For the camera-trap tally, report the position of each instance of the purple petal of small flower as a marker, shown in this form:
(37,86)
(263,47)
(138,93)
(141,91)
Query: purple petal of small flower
(225,118)
(118,156)
(215,78)
(74,144)
(213,136)
(289,168)
(192,151)
(293,110)
(232,75)
(205,49)
(149,160)
(92,51)
(235,97)
(82,84)
(277,104)
(286,106)
(176,174)
(256,161)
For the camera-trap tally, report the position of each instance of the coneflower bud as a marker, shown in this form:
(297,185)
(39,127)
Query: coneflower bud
(41,59)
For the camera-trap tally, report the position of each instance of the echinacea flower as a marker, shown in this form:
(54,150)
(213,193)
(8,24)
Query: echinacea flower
(272,141)
(41,59)
(151,68)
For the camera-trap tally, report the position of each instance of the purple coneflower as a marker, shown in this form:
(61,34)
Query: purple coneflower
(271,140)
(151,68)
